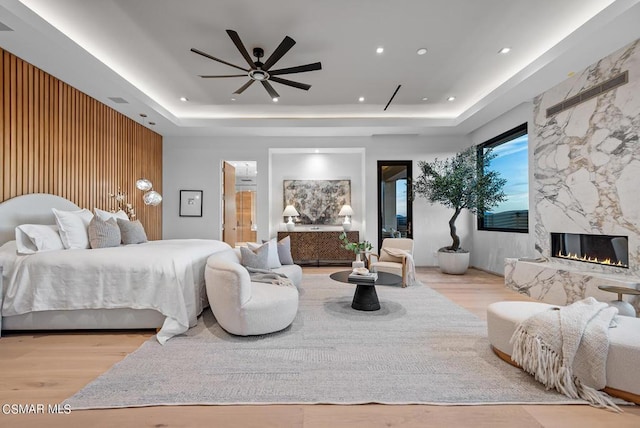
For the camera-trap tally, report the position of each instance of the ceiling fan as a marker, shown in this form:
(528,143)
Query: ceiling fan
(261,72)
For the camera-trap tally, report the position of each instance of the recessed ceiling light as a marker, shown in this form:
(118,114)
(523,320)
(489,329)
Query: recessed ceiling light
(152,123)
(275,100)
(451,98)
(361,99)
(504,50)
(184,99)
(317,150)
(380,50)
(425,99)
(421,51)
(233,99)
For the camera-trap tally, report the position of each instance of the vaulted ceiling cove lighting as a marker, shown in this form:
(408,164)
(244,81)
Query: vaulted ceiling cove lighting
(421,51)
(380,50)
(504,50)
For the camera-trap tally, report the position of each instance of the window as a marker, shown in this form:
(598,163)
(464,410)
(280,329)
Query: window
(512,162)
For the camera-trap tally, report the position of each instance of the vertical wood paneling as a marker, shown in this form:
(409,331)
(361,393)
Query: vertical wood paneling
(56,139)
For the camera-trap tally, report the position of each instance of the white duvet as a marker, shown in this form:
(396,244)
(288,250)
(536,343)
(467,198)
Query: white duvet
(167,276)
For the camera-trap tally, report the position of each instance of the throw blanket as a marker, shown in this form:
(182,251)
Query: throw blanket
(411,267)
(566,349)
(269,277)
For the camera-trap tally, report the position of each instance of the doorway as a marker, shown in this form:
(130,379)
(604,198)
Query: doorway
(239,202)
(395,208)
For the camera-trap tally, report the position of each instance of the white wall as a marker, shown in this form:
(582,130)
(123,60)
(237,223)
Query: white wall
(491,248)
(194,163)
(316,166)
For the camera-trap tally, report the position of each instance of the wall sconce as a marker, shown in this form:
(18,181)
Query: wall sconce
(151,197)
(346,211)
(290,211)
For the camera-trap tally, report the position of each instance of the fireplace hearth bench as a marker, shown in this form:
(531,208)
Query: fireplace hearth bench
(623,377)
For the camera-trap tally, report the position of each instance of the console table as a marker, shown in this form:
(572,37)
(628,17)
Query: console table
(317,248)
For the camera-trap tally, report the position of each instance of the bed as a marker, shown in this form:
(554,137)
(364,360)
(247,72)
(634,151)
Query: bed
(158,284)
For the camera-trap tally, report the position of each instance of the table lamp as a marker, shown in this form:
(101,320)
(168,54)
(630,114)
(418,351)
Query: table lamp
(346,211)
(291,212)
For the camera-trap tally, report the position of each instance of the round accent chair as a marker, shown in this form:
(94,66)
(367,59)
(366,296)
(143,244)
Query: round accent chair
(247,308)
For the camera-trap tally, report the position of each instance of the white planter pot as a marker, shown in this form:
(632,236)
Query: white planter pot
(453,263)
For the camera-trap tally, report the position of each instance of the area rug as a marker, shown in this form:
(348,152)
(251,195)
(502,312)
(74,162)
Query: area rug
(419,348)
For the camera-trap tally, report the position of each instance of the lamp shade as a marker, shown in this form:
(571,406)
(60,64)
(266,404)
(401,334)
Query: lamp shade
(345,210)
(143,184)
(290,211)
(152,198)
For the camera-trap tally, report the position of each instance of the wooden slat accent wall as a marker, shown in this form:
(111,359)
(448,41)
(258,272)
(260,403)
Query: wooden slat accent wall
(58,140)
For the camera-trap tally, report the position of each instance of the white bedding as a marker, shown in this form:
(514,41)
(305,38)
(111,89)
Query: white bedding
(167,276)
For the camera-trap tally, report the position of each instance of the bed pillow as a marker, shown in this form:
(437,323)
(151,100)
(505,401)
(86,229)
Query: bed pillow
(132,232)
(31,238)
(72,226)
(272,258)
(284,251)
(257,259)
(104,233)
(106,215)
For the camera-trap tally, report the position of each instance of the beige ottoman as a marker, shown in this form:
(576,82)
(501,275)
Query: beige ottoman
(623,376)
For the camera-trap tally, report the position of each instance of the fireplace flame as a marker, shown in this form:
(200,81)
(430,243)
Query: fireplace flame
(589,259)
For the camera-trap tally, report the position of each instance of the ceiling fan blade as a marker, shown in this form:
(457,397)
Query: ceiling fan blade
(228,75)
(290,83)
(206,55)
(298,69)
(243,51)
(272,92)
(245,86)
(284,46)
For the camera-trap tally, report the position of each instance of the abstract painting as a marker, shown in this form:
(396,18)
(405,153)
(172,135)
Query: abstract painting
(317,201)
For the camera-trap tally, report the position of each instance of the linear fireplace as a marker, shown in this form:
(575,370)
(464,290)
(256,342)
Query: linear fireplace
(599,249)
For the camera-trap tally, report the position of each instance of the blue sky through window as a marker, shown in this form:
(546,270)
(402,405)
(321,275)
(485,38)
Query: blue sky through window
(512,164)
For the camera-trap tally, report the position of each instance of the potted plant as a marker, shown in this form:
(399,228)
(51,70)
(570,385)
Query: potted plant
(460,182)
(359,248)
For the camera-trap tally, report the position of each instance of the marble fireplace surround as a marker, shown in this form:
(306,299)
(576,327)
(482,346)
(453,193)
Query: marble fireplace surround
(586,176)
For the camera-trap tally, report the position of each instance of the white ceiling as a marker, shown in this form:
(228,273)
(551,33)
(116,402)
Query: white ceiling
(140,51)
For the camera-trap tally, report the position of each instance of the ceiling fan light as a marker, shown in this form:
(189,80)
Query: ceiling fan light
(258,75)
(275,100)
(421,51)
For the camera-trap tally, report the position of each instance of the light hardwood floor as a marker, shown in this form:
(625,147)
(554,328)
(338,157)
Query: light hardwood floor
(46,368)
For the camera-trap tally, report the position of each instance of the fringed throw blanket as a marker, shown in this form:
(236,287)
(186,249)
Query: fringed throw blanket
(269,277)
(567,349)
(411,267)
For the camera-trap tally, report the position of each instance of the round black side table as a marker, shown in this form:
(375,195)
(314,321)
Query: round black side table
(365,297)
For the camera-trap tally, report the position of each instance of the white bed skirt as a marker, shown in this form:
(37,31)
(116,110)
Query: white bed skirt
(85,319)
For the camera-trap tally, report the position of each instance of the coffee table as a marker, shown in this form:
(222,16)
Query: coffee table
(365,297)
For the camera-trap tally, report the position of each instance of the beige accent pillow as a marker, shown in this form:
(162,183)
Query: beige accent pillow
(104,234)
(386,257)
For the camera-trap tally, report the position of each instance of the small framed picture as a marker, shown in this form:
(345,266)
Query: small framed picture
(191,203)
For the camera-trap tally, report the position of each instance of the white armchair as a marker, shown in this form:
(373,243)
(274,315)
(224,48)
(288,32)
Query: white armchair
(396,256)
(247,308)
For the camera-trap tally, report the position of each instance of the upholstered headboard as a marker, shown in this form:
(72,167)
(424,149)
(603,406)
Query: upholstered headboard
(34,208)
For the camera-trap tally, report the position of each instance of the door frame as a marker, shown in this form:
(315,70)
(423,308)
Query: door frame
(409,165)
